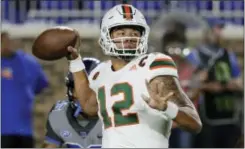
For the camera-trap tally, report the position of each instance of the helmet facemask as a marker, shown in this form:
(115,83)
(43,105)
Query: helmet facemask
(120,47)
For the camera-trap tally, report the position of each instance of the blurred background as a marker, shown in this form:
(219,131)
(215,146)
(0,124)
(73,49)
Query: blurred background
(178,28)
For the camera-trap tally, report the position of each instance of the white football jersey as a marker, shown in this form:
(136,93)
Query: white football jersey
(127,120)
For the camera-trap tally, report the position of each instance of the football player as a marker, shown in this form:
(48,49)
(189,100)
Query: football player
(136,95)
(68,126)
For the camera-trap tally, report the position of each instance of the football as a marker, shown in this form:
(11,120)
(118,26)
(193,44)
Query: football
(52,43)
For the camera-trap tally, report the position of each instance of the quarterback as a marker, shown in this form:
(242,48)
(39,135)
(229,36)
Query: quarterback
(136,95)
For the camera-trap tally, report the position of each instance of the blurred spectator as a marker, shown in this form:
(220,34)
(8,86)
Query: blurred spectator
(22,78)
(174,43)
(218,74)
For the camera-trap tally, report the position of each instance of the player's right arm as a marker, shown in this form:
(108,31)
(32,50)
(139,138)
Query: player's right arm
(85,94)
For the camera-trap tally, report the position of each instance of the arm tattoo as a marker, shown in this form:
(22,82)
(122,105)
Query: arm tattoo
(171,84)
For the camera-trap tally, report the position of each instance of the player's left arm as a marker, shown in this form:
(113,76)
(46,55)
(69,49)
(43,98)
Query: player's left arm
(167,95)
(187,116)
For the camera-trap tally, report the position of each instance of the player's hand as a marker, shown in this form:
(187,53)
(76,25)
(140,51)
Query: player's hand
(74,52)
(157,100)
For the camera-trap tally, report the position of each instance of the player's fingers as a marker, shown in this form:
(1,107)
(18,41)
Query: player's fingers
(148,87)
(153,103)
(154,86)
(78,43)
(147,84)
(150,101)
(156,97)
(160,88)
(71,49)
(168,96)
(73,53)
(163,105)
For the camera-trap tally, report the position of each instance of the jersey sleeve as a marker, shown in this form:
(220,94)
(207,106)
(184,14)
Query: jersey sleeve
(161,65)
(94,75)
(51,137)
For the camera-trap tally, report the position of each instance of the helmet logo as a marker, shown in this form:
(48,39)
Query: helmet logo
(127,12)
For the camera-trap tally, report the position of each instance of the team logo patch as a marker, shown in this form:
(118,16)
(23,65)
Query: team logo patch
(7,73)
(65,134)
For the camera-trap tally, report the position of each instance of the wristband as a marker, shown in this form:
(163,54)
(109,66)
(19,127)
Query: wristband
(76,65)
(172,110)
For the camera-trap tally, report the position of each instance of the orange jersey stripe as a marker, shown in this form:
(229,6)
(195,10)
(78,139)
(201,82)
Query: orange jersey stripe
(157,67)
(164,59)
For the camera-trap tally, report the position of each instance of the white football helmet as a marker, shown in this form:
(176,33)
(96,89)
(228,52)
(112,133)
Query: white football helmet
(123,15)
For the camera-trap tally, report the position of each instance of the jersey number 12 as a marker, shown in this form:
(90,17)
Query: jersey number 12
(117,108)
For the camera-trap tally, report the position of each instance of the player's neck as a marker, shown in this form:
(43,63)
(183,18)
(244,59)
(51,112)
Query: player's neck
(118,64)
